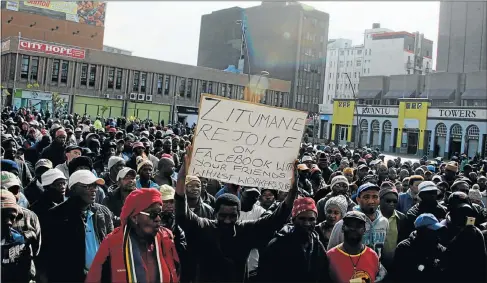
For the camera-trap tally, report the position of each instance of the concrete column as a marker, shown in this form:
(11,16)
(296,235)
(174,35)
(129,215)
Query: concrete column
(380,135)
(481,140)
(369,133)
(447,145)
(464,139)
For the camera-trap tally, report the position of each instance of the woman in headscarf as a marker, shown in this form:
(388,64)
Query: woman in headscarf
(141,249)
(335,209)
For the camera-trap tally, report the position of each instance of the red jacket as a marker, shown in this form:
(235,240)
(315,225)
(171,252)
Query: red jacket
(108,264)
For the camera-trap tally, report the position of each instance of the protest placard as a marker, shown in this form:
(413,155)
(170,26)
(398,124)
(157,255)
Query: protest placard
(245,143)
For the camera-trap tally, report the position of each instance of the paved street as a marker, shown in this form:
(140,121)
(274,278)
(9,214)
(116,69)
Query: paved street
(403,157)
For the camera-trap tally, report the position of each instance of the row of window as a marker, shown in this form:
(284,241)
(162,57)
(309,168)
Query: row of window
(307,99)
(332,75)
(313,37)
(312,52)
(314,21)
(343,86)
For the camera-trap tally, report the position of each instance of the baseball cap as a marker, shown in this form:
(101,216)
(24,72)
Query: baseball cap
(302,167)
(362,166)
(52,175)
(427,220)
(427,186)
(306,158)
(138,144)
(114,160)
(167,192)
(124,171)
(8,200)
(43,163)
(85,177)
(366,187)
(355,215)
(112,130)
(10,180)
(72,147)
(386,190)
(252,189)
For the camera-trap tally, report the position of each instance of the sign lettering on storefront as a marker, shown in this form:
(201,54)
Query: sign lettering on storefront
(389,111)
(476,114)
(51,49)
(344,104)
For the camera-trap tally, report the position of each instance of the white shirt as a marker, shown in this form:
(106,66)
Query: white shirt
(254,214)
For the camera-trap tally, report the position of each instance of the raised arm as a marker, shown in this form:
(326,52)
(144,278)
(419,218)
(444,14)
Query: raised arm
(184,216)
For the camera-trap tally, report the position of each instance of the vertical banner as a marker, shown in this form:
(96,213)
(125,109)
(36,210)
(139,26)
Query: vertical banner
(246,144)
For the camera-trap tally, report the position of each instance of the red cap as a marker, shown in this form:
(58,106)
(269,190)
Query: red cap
(112,130)
(302,205)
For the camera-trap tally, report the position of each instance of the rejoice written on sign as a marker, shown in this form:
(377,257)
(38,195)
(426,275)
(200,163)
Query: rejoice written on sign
(246,144)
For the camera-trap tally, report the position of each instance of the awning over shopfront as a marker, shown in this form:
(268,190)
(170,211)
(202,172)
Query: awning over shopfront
(447,94)
(368,94)
(475,94)
(395,94)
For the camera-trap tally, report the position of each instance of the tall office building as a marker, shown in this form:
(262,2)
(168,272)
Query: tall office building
(288,40)
(462,37)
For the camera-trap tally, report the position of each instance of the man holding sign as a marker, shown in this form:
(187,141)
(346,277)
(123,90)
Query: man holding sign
(224,244)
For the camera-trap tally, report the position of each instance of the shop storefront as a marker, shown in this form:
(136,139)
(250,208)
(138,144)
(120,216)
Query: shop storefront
(377,124)
(94,107)
(457,130)
(33,99)
(187,115)
(343,122)
(412,132)
(325,121)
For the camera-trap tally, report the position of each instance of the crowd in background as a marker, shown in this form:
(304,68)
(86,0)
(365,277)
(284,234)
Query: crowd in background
(109,200)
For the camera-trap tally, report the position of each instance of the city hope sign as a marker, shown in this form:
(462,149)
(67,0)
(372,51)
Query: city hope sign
(246,144)
(72,52)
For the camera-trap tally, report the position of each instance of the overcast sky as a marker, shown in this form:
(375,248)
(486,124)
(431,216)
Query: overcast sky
(170,30)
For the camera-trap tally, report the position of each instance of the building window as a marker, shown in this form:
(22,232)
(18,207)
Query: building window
(368,70)
(118,85)
(55,70)
(64,72)
(329,75)
(190,88)
(409,47)
(210,87)
(230,90)
(370,51)
(359,52)
(224,90)
(338,75)
(159,84)
(182,86)
(111,77)
(166,85)
(341,63)
(92,75)
(365,51)
(84,74)
(135,87)
(34,69)
(342,52)
(24,67)
(358,63)
(143,80)
(203,87)
(427,53)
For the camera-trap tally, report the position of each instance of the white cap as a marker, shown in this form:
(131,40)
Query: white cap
(9,180)
(52,175)
(124,171)
(114,160)
(427,186)
(306,158)
(85,177)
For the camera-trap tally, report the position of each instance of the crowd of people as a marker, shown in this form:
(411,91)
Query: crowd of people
(110,200)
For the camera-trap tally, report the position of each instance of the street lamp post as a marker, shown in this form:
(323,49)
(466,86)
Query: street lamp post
(359,137)
(244,45)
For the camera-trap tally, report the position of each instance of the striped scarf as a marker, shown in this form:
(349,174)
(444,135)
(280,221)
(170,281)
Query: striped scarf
(134,264)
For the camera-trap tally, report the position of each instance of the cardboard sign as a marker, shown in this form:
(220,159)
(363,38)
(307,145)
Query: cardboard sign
(246,144)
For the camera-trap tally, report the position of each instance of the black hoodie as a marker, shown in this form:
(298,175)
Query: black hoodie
(285,260)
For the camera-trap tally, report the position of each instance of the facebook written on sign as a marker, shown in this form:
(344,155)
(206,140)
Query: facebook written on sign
(246,144)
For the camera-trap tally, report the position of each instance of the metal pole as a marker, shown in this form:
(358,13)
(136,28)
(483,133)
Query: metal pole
(16,66)
(356,110)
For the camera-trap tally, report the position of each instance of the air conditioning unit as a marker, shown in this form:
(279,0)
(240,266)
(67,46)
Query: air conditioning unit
(141,96)
(106,95)
(148,97)
(133,96)
(119,96)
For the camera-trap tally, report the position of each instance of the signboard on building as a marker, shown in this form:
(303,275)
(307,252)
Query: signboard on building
(84,12)
(46,48)
(468,114)
(6,45)
(245,143)
(378,111)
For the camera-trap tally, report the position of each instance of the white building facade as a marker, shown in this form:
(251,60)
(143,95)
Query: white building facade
(384,53)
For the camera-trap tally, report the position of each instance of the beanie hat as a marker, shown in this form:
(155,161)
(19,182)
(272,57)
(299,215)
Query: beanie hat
(137,201)
(348,170)
(338,179)
(190,179)
(8,200)
(474,195)
(452,166)
(340,202)
(141,162)
(303,204)
(387,190)
(114,160)
(10,166)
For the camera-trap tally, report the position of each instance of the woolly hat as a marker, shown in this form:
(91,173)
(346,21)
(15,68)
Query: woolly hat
(8,200)
(475,195)
(338,179)
(338,201)
(114,160)
(141,162)
(302,205)
(452,166)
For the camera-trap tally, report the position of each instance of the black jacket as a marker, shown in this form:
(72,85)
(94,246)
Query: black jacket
(208,199)
(203,210)
(284,259)
(55,153)
(33,191)
(223,258)
(113,201)
(414,263)
(438,211)
(64,247)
